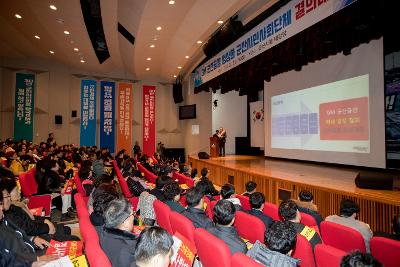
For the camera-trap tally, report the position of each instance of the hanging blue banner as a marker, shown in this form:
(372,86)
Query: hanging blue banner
(107,115)
(88,113)
(24,106)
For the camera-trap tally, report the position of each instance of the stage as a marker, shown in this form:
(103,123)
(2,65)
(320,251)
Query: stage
(280,179)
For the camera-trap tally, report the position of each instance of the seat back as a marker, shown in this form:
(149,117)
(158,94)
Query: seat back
(122,182)
(180,177)
(211,250)
(183,225)
(327,256)
(240,260)
(342,237)
(208,209)
(245,201)
(271,210)
(386,251)
(249,227)
(28,183)
(79,186)
(162,212)
(81,208)
(303,251)
(308,220)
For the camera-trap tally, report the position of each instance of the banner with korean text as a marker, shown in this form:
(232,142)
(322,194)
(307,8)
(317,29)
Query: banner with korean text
(124,117)
(149,119)
(107,115)
(24,106)
(88,113)
(289,20)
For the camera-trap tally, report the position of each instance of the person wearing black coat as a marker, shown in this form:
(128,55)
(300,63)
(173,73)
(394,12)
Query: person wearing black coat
(257,201)
(117,239)
(195,211)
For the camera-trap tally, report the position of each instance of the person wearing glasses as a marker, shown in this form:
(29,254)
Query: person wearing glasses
(117,239)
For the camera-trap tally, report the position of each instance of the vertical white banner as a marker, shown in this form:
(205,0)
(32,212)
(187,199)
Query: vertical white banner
(257,124)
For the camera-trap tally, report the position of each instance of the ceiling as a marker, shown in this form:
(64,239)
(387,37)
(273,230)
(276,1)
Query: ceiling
(183,24)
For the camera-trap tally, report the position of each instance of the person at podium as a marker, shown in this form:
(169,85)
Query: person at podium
(221,134)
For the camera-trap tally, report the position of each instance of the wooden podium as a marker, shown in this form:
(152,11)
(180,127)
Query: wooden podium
(214,146)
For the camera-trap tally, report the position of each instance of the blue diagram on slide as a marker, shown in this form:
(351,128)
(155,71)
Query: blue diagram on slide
(303,124)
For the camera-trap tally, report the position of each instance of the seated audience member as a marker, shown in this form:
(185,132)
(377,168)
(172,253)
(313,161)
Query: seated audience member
(154,248)
(359,259)
(161,181)
(289,212)
(86,177)
(305,204)
(208,189)
(26,249)
(348,215)
(224,216)
(23,218)
(195,210)
(172,194)
(136,183)
(117,239)
(257,201)
(280,239)
(193,174)
(228,193)
(100,183)
(103,195)
(145,208)
(396,230)
(250,188)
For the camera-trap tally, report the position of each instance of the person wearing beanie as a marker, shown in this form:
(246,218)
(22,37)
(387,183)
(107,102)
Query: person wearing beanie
(117,239)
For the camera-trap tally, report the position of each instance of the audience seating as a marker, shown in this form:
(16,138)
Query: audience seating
(249,227)
(208,209)
(183,179)
(154,160)
(183,201)
(162,212)
(271,210)
(245,201)
(211,250)
(95,255)
(79,186)
(151,177)
(328,256)
(342,237)
(183,225)
(241,260)
(303,251)
(122,182)
(212,205)
(29,190)
(386,251)
(308,220)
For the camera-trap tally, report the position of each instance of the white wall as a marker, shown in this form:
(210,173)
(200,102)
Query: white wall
(231,114)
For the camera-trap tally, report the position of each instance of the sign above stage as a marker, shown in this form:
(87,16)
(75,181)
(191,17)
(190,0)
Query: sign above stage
(289,20)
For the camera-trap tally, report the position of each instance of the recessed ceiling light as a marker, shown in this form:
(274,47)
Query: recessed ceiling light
(147,69)
(199,42)
(220,21)
(186,56)
(61,21)
(148,59)
(37,36)
(51,52)
(76,49)
(82,61)
(179,67)
(18,16)
(53,7)
(66,32)
(159,28)
(174,76)
(152,46)
(171,2)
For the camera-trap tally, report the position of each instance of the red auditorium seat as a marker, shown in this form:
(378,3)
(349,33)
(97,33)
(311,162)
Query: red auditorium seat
(386,251)
(212,205)
(271,210)
(308,220)
(208,210)
(211,250)
(183,225)
(81,208)
(162,212)
(183,201)
(95,255)
(79,186)
(342,237)
(241,260)
(245,201)
(134,201)
(29,189)
(121,181)
(249,227)
(303,251)
(327,256)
